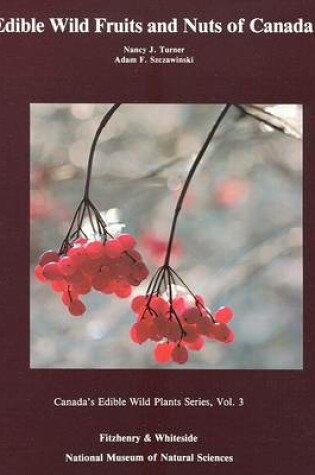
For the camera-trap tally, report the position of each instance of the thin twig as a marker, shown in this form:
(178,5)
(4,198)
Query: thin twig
(189,178)
(267,118)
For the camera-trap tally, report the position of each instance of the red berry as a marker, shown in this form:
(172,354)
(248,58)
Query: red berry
(101,278)
(140,331)
(121,268)
(125,260)
(223,315)
(67,266)
(191,315)
(173,331)
(127,241)
(76,278)
(162,352)
(161,324)
(77,253)
(123,290)
(80,241)
(76,308)
(140,270)
(52,272)
(221,332)
(159,305)
(90,266)
(134,281)
(179,354)
(230,337)
(48,256)
(59,285)
(191,334)
(179,305)
(68,296)
(81,288)
(134,334)
(154,333)
(95,249)
(138,303)
(135,255)
(197,344)
(108,288)
(38,271)
(113,248)
(205,326)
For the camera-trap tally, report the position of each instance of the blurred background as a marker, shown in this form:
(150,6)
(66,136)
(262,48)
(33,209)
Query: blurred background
(238,240)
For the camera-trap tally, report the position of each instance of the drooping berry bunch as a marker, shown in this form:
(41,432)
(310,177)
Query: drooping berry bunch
(171,315)
(104,263)
(93,260)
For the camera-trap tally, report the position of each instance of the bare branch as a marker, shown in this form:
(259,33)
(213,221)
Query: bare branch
(265,117)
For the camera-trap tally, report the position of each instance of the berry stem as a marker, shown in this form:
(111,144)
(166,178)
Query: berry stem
(86,206)
(103,123)
(188,180)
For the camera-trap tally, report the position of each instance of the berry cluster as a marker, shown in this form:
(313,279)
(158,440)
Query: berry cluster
(176,319)
(108,266)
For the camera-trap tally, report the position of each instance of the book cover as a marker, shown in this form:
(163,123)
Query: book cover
(157,237)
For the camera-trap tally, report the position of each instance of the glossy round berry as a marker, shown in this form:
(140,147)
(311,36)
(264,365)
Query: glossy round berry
(140,270)
(162,352)
(173,331)
(159,305)
(134,334)
(59,285)
(135,255)
(51,271)
(108,288)
(223,315)
(82,288)
(78,254)
(134,281)
(38,271)
(68,296)
(80,241)
(154,333)
(191,334)
(140,331)
(48,256)
(179,305)
(90,266)
(197,344)
(191,315)
(127,241)
(68,266)
(76,308)
(113,248)
(120,269)
(94,249)
(205,326)
(138,303)
(122,289)
(161,324)
(221,332)
(230,337)
(179,354)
